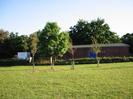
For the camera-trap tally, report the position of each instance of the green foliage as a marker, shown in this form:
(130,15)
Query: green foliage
(47,39)
(45,61)
(6,50)
(71,51)
(62,44)
(4,35)
(52,42)
(96,49)
(83,31)
(128,39)
(33,46)
(110,81)
(19,43)
(22,43)
(11,43)
(95,46)
(33,43)
(12,62)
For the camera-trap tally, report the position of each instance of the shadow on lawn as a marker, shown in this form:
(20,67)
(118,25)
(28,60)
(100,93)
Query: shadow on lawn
(4,65)
(94,67)
(36,70)
(12,65)
(111,68)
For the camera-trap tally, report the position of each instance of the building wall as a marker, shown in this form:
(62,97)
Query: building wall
(106,52)
(115,51)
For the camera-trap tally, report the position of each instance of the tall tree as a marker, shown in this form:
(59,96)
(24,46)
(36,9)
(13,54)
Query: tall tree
(5,50)
(4,35)
(71,51)
(52,42)
(33,46)
(19,43)
(13,42)
(22,43)
(96,48)
(83,31)
(128,39)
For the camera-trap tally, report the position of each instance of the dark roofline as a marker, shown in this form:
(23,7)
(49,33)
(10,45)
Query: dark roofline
(102,45)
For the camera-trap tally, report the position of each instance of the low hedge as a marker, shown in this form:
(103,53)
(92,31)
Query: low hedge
(93,61)
(13,62)
(45,61)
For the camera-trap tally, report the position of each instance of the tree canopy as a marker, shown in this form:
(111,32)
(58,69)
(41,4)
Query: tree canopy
(52,42)
(128,39)
(83,32)
(4,35)
(47,38)
(11,43)
(33,46)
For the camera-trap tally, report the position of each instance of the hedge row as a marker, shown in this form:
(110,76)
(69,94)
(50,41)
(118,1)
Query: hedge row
(13,62)
(45,61)
(93,61)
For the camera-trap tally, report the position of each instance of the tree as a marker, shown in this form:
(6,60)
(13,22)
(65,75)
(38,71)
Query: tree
(33,46)
(18,43)
(96,49)
(71,51)
(4,35)
(5,49)
(22,43)
(52,42)
(13,42)
(62,44)
(83,31)
(128,39)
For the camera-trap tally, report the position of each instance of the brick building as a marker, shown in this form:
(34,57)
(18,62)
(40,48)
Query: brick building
(108,50)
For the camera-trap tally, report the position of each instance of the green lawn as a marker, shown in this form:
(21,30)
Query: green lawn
(109,81)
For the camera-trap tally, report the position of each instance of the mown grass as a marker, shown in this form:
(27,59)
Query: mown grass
(109,81)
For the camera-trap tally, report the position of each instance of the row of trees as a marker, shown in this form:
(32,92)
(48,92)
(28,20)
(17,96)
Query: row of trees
(11,43)
(84,31)
(50,42)
(128,39)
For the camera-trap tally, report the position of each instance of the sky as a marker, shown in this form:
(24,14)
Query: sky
(28,16)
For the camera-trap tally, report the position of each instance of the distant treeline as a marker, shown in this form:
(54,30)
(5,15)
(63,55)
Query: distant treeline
(52,42)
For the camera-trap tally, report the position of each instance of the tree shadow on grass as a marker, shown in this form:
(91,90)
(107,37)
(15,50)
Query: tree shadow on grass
(18,70)
(36,70)
(111,68)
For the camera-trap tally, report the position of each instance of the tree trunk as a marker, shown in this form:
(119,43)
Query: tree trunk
(98,61)
(73,62)
(33,63)
(52,63)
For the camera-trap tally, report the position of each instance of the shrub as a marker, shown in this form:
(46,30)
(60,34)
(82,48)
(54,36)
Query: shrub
(93,61)
(45,61)
(13,62)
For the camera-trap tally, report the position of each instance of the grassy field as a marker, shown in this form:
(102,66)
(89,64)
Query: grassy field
(109,81)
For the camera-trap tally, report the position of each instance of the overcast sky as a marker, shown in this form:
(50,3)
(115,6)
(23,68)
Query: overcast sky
(28,16)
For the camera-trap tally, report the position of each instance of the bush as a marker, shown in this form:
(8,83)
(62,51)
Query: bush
(45,61)
(93,61)
(13,62)
(42,61)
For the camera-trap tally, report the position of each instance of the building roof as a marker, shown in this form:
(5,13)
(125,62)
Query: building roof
(102,45)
